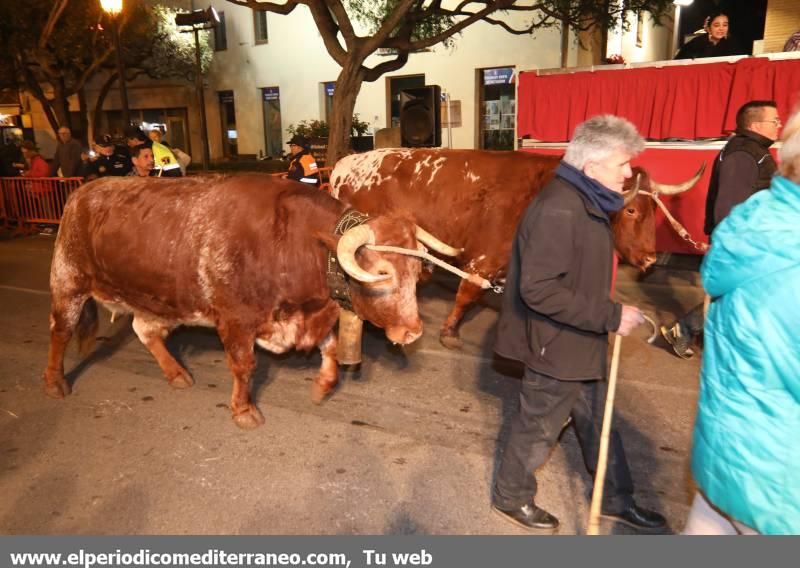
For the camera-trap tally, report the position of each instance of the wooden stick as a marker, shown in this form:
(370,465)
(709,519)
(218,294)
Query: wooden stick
(602,458)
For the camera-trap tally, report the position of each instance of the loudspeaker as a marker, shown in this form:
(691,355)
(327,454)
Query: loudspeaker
(421,117)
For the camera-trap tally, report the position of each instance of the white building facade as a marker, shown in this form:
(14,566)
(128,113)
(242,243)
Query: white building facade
(270,71)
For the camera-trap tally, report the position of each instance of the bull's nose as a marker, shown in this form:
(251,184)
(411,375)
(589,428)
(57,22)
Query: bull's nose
(649,260)
(411,336)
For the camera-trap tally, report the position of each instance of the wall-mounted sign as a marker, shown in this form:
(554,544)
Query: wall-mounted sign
(498,76)
(452,119)
(271,93)
(329,88)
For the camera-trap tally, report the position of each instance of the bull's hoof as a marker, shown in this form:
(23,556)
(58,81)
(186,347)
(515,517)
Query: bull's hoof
(181,381)
(57,389)
(249,419)
(320,392)
(451,341)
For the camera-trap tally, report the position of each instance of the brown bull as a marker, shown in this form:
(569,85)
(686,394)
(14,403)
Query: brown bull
(473,200)
(245,254)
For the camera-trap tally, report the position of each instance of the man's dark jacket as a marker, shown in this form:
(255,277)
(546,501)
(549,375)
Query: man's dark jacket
(557,311)
(749,166)
(68,158)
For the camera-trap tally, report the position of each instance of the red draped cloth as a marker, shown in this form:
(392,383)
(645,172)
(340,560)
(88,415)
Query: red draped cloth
(683,101)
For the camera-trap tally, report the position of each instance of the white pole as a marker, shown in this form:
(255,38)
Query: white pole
(676,30)
(449,122)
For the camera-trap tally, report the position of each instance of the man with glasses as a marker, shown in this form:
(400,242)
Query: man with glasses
(743,167)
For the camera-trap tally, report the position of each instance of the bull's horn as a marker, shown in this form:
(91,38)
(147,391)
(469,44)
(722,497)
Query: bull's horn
(672,189)
(427,239)
(631,194)
(349,243)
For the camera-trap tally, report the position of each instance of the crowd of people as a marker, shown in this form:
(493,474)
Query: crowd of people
(123,156)
(109,156)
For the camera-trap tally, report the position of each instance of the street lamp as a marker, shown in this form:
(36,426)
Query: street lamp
(677,22)
(114,8)
(196,21)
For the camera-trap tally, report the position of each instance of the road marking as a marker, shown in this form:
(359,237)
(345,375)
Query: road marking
(28,290)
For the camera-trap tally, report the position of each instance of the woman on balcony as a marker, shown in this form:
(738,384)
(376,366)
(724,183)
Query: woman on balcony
(716,42)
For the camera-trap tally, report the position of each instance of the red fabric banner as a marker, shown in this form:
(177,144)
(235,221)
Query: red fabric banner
(683,101)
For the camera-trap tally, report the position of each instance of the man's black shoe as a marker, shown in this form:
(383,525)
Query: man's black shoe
(529,517)
(638,518)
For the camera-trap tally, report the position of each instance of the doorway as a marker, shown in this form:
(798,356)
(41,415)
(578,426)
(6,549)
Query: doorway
(227,113)
(271,101)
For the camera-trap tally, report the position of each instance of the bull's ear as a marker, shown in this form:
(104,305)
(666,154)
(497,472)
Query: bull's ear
(328,240)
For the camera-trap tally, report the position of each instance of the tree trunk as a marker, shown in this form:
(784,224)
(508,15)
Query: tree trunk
(98,104)
(84,116)
(60,104)
(348,85)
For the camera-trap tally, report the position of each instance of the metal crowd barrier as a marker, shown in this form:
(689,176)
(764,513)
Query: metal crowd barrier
(324,178)
(28,201)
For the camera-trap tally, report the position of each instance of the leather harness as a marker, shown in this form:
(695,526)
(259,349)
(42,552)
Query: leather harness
(336,277)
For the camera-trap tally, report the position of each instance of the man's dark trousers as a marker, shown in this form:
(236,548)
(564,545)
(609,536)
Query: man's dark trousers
(545,404)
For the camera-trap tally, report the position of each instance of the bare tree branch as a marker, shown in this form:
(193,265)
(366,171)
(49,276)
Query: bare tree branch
(386,67)
(329,30)
(52,20)
(339,19)
(268,6)
(389,24)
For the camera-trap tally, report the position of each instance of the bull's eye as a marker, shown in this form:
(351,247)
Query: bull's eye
(630,211)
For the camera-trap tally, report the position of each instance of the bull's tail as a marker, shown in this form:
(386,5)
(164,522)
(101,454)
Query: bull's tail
(86,330)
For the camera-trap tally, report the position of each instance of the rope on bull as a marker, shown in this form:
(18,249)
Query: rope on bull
(470,277)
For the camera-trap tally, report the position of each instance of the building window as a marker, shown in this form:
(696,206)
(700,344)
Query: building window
(220,35)
(397,84)
(260,24)
(327,94)
(497,108)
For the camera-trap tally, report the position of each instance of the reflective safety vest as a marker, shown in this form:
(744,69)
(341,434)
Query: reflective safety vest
(164,159)
(303,168)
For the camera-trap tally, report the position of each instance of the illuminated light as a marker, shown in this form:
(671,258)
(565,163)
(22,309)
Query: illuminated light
(112,7)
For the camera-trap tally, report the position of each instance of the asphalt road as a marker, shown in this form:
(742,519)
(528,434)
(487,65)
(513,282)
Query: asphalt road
(408,447)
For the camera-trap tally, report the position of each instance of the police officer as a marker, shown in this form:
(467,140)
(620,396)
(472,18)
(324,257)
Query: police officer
(302,165)
(111,160)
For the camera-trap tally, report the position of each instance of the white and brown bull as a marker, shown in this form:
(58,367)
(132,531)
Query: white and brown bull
(247,255)
(473,200)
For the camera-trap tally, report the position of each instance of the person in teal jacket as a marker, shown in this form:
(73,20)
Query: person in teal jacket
(746,454)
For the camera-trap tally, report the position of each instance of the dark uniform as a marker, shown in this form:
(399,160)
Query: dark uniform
(117,164)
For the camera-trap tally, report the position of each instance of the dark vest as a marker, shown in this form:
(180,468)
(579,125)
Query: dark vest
(755,145)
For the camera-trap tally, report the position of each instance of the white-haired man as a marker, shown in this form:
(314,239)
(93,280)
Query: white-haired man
(556,316)
(67,158)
